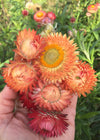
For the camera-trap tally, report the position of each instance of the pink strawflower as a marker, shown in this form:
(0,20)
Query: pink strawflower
(49,124)
(51,15)
(46,20)
(92,8)
(98,5)
(88,14)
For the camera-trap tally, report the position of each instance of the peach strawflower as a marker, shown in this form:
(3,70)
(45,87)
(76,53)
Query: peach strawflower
(82,79)
(58,58)
(39,16)
(92,8)
(29,5)
(49,124)
(37,7)
(20,76)
(28,44)
(88,14)
(51,97)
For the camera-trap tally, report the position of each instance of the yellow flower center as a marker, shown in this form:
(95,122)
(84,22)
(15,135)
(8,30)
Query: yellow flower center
(39,14)
(92,6)
(52,56)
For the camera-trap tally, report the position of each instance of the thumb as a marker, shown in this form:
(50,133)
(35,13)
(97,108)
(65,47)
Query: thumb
(7,100)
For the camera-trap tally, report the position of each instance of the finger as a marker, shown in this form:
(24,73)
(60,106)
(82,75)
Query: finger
(71,109)
(7,100)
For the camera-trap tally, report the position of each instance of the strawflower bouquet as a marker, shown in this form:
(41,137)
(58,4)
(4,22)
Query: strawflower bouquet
(46,72)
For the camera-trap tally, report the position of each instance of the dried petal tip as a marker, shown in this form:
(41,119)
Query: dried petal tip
(49,124)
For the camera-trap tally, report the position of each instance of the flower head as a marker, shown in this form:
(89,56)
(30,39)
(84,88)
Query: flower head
(25,12)
(92,8)
(39,16)
(88,14)
(82,79)
(58,58)
(37,7)
(51,97)
(72,19)
(98,5)
(46,20)
(50,124)
(51,15)
(29,5)
(20,76)
(28,44)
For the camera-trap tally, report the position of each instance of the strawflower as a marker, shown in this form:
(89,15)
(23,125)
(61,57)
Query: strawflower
(46,20)
(51,15)
(88,14)
(29,5)
(25,13)
(58,58)
(51,97)
(98,5)
(28,44)
(49,124)
(20,76)
(37,7)
(82,79)
(39,16)
(92,8)
(72,19)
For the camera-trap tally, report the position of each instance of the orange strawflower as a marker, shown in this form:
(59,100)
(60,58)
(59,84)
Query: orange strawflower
(20,76)
(28,44)
(58,58)
(92,8)
(82,79)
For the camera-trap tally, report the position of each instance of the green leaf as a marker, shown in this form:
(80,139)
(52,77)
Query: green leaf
(89,115)
(7,61)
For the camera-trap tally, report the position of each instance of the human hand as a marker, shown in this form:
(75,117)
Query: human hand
(14,124)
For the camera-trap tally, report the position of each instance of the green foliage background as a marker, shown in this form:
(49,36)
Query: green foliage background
(12,21)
